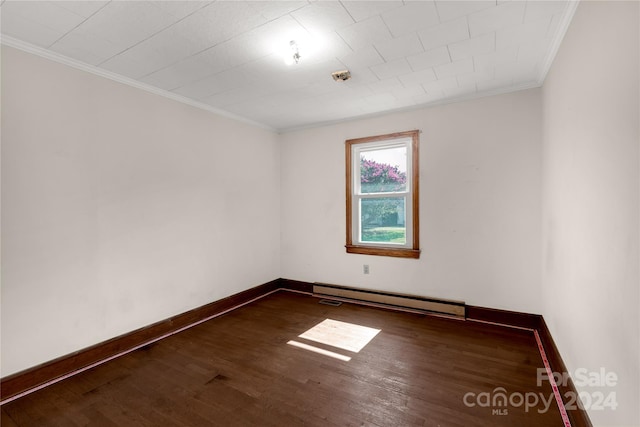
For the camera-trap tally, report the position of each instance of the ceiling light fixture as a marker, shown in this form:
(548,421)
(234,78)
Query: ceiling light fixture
(293,56)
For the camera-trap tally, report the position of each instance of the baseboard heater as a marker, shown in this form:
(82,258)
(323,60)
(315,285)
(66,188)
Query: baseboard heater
(431,305)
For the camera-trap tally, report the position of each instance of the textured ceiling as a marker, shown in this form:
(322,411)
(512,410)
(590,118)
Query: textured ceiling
(228,55)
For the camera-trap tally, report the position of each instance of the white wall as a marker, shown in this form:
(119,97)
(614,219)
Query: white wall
(480,201)
(122,208)
(591,202)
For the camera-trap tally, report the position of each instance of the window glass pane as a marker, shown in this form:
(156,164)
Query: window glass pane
(383,220)
(383,170)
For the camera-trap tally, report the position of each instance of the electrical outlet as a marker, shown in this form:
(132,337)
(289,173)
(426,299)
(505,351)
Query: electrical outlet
(365,268)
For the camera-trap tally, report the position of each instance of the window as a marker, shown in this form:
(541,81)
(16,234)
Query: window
(382,195)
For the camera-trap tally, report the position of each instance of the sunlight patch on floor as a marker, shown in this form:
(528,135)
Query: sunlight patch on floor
(343,335)
(319,350)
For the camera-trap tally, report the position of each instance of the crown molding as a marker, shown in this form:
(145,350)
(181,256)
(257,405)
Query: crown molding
(416,107)
(563,26)
(56,57)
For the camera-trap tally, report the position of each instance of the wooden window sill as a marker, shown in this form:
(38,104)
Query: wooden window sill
(392,252)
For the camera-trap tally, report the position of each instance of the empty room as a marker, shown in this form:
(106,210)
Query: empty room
(320,213)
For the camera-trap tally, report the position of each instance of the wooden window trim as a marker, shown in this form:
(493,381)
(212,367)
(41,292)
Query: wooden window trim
(414,251)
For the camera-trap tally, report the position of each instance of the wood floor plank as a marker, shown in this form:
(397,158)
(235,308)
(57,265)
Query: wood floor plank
(238,370)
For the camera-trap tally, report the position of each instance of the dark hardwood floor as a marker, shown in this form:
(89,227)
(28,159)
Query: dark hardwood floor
(237,370)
